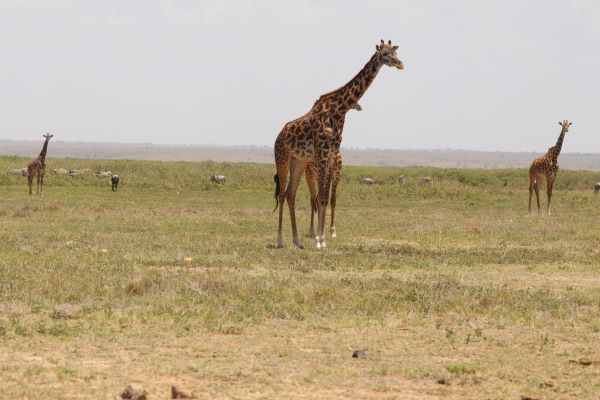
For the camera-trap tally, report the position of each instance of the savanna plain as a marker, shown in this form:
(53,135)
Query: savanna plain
(451,289)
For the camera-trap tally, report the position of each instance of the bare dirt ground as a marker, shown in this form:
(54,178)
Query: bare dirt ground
(309,359)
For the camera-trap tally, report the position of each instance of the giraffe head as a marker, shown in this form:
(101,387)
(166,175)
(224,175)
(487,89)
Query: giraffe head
(47,136)
(565,125)
(387,54)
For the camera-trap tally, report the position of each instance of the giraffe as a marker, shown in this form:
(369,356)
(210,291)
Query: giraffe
(311,180)
(38,167)
(547,166)
(315,139)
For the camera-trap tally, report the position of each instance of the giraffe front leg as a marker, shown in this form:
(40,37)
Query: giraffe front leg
(549,186)
(321,209)
(296,170)
(322,198)
(311,181)
(334,183)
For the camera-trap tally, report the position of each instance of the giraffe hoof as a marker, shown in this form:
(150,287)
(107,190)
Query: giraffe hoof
(318,245)
(298,244)
(323,245)
(333,234)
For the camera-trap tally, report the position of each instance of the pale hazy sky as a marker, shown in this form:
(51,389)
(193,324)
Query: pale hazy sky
(482,75)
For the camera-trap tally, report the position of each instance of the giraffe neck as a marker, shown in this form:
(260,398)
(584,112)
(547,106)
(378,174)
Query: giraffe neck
(344,98)
(555,151)
(42,156)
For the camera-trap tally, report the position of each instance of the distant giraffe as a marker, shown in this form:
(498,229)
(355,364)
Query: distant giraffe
(311,180)
(37,167)
(546,166)
(314,139)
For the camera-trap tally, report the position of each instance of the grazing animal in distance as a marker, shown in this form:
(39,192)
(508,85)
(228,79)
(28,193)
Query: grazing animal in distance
(546,166)
(75,172)
(103,174)
(217,178)
(367,181)
(114,180)
(18,171)
(401,179)
(426,180)
(311,180)
(315,139)
(597,188)
(37,167)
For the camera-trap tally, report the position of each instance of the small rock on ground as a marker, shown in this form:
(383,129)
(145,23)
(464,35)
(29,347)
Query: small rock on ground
(359,354)
(133,394)
(178,394)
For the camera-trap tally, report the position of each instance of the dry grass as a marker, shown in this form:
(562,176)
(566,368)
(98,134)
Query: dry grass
(452,290)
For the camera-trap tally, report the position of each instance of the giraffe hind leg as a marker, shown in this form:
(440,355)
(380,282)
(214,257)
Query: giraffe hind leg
(532,186)
(30,176)
(530,194)
(536,187)
(334,183)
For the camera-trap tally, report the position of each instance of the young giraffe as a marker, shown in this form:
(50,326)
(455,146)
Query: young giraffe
(315,139)
(547,166)
(311,180)
(38,167)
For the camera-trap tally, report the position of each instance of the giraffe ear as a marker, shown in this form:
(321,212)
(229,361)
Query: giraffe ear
(377,47)
(560,123)
(395,48)
(570,123)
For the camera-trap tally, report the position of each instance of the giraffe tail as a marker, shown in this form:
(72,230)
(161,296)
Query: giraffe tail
(276,179)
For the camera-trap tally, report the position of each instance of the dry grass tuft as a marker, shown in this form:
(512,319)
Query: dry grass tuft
(25,211)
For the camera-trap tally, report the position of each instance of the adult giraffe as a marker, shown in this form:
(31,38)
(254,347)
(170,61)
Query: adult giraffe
(37,167)
(315,139)
(546,166)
